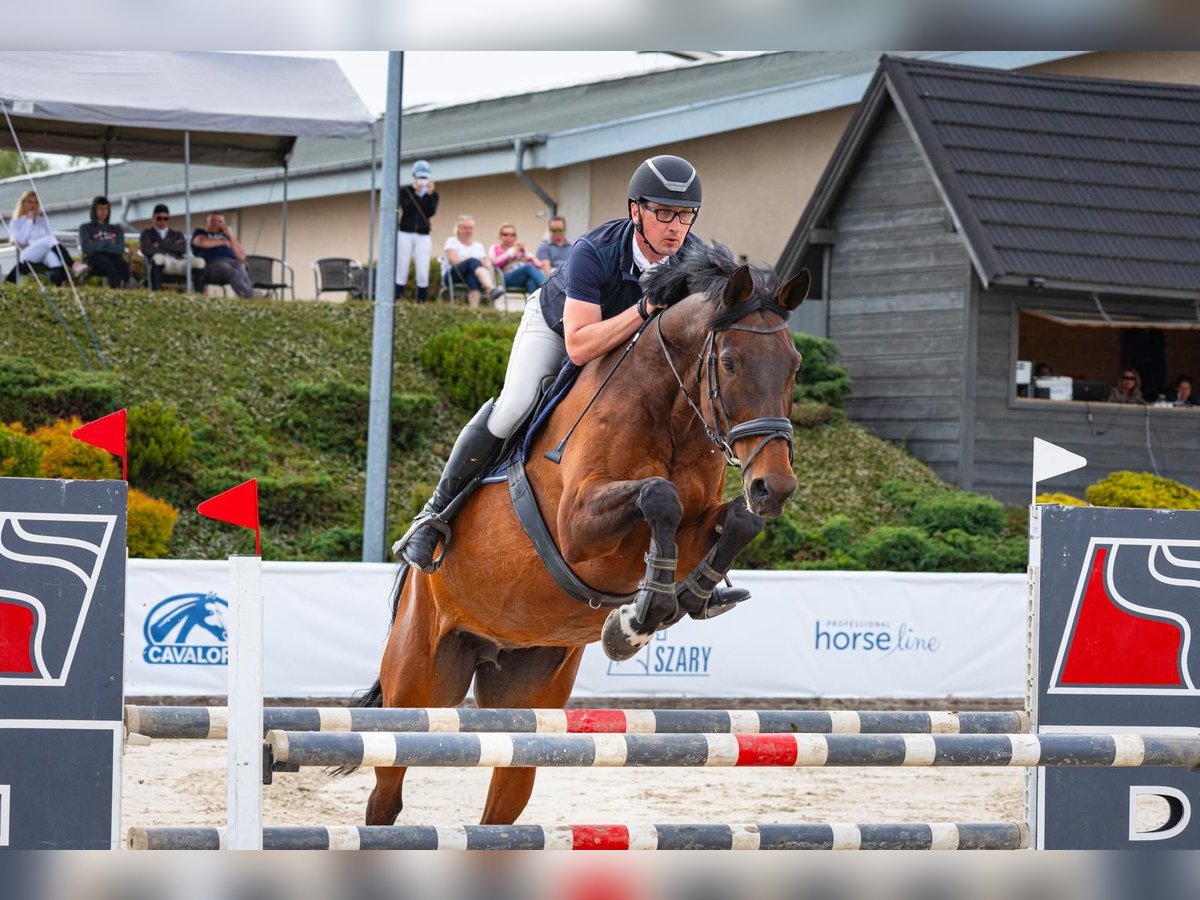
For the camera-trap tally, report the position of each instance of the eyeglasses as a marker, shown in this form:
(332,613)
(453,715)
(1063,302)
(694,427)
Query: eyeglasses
(162,218)
(1129,378)
(666,216)
(508,234)
(557,230)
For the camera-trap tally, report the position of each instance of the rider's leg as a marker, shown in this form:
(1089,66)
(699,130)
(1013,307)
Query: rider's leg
(537,351)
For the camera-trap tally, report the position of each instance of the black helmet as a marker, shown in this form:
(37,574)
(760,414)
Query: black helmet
(671,180)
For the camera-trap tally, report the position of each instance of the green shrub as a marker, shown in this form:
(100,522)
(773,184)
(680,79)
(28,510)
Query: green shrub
(288,501)
(896,548)
(949,510)
(65,457)
(332,416)
(228,436)
(821,379)
(810,414)
(905,495)
(337,543)
(35,395)
(1060,500)
(470,360)
(20,455)
(1141,490)
(960,551)
(159,446)
(150,525)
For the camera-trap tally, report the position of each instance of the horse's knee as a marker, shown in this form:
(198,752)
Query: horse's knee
(659,502)
(740,524)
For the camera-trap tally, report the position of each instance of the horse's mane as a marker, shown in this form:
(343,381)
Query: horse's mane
(706,270)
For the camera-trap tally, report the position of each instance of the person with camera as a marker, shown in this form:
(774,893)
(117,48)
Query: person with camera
(590,305)
(418,204)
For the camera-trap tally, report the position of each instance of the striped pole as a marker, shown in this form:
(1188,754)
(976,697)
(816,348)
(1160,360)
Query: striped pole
(209,722)
(904,836)
(623,750)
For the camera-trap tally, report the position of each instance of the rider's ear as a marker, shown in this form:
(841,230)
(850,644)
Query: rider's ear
(793,293)
(739,288)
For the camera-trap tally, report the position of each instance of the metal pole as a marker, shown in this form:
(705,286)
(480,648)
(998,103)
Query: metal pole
(283,248)
(370,285)
(187,205)
(379,416)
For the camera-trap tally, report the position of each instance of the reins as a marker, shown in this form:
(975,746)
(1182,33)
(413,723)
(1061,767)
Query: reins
(770,427)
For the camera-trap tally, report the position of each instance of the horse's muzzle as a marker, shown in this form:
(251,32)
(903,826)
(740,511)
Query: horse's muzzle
(766,494)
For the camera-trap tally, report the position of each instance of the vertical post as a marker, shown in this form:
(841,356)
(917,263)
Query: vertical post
(245,742)
(283,230)
(379,415)
(187,205)
(369,287)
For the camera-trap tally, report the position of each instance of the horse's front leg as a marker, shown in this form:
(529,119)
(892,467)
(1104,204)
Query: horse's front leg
(628,629)
(700,595)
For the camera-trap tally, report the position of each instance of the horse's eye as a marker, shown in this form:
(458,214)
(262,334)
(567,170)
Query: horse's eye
(728,364)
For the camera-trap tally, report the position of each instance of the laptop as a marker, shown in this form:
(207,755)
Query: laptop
(1088,390)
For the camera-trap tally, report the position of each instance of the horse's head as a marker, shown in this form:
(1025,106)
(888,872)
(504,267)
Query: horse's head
(750,363)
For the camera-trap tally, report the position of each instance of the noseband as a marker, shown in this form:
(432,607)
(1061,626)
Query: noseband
(719,432)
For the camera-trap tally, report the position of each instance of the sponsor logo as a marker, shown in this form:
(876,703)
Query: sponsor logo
(663,657)
(872,636)
(49,567)
(187,629)
(1129,627)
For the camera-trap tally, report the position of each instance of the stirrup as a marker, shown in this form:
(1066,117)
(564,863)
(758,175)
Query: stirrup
(437,524)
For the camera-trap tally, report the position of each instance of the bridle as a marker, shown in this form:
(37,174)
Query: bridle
(719,431)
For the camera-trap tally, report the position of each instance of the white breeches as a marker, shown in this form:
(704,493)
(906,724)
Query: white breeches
(411,246)
(537,351)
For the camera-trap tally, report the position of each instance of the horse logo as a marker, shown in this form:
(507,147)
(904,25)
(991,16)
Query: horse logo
(1129,630)
(187,629)
(49,566)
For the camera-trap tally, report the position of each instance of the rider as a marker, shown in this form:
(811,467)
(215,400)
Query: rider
(591,304)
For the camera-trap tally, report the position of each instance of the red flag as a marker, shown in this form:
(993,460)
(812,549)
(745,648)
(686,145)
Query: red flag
(237,506)
(107,433)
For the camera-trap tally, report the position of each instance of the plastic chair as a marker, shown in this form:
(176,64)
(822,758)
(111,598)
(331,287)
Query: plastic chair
(340,275)
(271,275)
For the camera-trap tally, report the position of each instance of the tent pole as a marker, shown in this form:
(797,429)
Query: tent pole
(370,286)
(187,206)
(105,191)
(383,336)
(283,248)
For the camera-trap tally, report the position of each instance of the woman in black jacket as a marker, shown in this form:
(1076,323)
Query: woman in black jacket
(418,203)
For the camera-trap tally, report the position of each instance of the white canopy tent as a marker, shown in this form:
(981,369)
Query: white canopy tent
(190,106)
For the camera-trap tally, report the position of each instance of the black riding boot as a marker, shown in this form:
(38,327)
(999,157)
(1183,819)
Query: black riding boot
(422,294)
(473,452)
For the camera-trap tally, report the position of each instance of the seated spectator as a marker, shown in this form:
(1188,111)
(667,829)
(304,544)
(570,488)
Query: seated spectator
(1182,394)
(1044,370)
(468,262)
(520,267)
(103,246)
(165,249)
(224,258)
(1128,388)
(553,252)
(35,241)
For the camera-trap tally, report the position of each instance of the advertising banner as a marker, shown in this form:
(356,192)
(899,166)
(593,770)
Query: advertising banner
(802,634)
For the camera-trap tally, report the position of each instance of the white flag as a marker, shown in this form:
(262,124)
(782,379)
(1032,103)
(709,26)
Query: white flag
(1050,460)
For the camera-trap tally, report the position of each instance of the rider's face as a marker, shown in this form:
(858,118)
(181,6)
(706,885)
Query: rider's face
(667,237)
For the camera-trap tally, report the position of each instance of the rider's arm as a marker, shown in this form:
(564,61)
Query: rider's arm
(588,336)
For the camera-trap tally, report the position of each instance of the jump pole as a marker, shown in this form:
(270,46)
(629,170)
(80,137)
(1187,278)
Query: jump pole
(245,754)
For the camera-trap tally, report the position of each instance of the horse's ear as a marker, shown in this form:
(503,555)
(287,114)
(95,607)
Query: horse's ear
(739,288)
(793,293)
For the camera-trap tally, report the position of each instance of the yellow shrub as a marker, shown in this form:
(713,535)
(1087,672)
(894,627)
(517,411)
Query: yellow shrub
(151,523)
(1060,500)
(1141,490)
(65,457)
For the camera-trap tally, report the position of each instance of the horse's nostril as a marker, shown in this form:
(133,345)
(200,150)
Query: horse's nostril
(759,489)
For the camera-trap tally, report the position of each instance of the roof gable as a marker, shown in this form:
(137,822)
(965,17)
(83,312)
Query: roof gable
(1083,183)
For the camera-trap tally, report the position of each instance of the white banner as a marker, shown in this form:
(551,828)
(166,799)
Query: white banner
(802,634)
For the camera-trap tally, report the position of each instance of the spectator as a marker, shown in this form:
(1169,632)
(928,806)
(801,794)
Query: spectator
(553,252)
(165,249)
(1128,388)
(418,203)
(1045,370)
(1182,394)
(520,267)
(35,241)
(468,262)
(224,258)
(103,245)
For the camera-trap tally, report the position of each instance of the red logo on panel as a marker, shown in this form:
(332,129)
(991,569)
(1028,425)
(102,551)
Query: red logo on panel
(1128,629)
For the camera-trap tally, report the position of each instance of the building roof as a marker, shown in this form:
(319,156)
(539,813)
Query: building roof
(1078,183)
(560,126)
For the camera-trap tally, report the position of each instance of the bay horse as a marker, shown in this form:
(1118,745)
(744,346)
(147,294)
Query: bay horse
(636,495)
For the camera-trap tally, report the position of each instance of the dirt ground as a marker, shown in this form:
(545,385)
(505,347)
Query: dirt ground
(183,783)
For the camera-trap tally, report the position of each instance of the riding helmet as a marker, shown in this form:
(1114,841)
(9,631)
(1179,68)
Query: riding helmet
(670,180)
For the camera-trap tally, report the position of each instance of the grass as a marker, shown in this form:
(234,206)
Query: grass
(192,352)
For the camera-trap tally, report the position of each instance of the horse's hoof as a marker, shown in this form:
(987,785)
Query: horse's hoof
(619,638)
